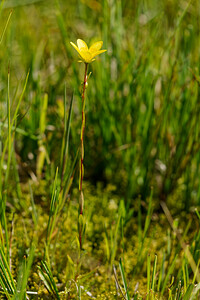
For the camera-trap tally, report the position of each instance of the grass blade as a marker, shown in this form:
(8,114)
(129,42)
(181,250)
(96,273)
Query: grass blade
(124,279)
(6,25)
(48,279)
(6,278)
(65,141)
(188,292)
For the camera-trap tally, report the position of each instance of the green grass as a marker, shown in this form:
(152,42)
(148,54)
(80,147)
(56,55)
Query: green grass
(141,143)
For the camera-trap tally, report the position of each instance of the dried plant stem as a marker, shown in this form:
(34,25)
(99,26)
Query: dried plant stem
(81,173)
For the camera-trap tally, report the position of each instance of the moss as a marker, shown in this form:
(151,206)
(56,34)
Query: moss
(102,214)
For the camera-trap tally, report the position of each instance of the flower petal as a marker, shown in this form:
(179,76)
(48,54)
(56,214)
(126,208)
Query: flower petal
(86,56)
(96,47)
(75,47)
(97,53)
(82,45)
(78,50)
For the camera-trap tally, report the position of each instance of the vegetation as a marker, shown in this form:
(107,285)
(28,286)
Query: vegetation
(138,235)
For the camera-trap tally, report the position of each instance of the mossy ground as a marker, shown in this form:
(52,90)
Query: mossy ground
(94,271)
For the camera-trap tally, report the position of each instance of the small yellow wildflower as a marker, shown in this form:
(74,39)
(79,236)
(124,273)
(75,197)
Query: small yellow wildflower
(87,55)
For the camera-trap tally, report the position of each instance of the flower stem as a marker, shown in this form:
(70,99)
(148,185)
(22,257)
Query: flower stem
(81,173)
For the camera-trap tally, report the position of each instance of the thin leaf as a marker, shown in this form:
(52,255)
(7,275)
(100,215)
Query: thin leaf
(124,279)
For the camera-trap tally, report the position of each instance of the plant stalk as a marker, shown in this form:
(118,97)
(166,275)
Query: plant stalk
(81,173)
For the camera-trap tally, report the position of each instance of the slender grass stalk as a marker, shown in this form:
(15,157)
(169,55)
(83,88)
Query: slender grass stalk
(170,271)
(42,155)
(53,210)
(81,171)
(4,198)
(161,272)
(148,275)
(65,141)
(1,146)
(1,5)
(9,131)
(154,274)
(6,25)
(184,276)
(63,149)
(124,279)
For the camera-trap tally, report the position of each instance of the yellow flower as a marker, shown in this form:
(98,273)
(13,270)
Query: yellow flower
(87,55)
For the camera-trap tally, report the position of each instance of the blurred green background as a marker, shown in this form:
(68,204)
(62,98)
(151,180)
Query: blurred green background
(143,97)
